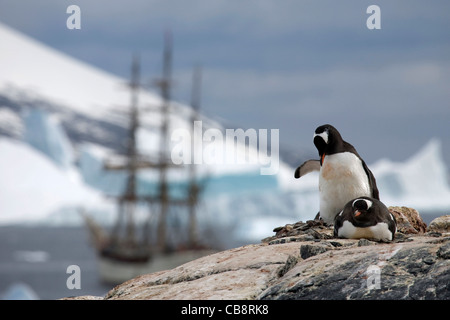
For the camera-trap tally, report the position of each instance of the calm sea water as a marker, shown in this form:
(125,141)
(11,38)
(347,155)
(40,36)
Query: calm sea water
(38,257)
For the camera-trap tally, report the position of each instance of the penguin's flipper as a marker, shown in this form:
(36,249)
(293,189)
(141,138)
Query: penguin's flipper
(392,225)
(372,182)
(307,167)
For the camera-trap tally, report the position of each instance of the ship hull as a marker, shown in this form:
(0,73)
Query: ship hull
(113,271)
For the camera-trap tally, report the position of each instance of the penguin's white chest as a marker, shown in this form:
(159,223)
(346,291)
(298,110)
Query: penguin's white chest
(342,178)
(380,231)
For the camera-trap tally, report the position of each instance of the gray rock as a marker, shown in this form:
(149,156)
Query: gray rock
(308,250)
(440,224)
(365,242)
(444,251)
(290,263)
(413,270)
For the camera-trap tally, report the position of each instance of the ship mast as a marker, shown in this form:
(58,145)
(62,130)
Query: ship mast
(124,244)
(164,84)
(130,196)
(194,188)
(129,199)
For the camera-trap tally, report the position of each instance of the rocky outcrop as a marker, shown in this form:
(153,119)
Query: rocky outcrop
(440,225)
(304,261)
(408,220)
(406,270)
(241,273)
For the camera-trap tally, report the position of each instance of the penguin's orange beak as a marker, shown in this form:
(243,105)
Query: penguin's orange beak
(357,213)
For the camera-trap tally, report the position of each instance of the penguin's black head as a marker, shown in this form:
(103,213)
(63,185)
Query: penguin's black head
(325,137)
(361,208)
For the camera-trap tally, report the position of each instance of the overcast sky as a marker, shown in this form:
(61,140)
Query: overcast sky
(277,64)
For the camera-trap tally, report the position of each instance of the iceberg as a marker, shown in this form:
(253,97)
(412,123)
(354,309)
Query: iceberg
(19,291)
(45,133)
(33,186)
(231,200)
(421,182)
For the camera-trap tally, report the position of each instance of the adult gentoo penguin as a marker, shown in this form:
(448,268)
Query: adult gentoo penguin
(343,173)
(367,218)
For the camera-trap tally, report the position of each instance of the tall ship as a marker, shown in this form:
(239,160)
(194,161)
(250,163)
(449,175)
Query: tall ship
(129,248)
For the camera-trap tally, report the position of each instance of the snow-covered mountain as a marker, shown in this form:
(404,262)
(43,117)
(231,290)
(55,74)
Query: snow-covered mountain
(60,119)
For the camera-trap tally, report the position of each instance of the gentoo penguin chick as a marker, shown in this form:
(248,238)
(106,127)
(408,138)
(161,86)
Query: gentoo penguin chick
(367,218)
(343,173)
